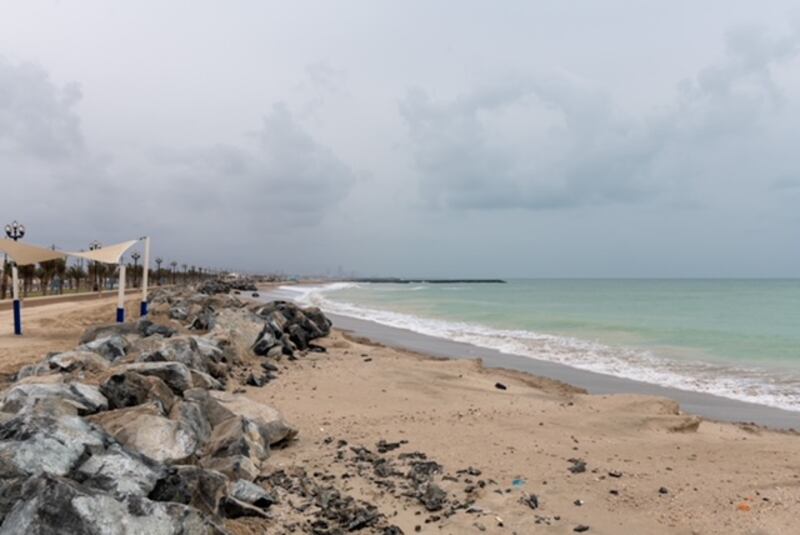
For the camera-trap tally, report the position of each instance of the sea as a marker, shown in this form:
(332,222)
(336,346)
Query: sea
(734,338)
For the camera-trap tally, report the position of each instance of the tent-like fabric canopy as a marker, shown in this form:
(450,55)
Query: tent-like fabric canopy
(24,254)
(107,255)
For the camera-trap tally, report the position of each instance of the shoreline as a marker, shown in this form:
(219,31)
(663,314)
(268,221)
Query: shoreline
(709,406)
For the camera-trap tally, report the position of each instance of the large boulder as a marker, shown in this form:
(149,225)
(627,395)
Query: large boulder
(120,472)
(128,389)
(86,399)
(112,348)
(177,376)
(57,506)
(78,362)
(236,448)
(183,349)
(145,429)
(270,422)
(48,439)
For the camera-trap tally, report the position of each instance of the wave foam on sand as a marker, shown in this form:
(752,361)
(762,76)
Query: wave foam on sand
(751,384)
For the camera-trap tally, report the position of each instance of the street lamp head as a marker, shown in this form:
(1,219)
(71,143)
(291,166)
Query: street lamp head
(94,245)
(15,231)
(135,255)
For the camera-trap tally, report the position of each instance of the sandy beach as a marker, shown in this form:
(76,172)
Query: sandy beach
(609,463)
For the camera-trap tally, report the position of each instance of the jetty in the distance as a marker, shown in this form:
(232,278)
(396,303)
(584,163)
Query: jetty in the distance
(393,280)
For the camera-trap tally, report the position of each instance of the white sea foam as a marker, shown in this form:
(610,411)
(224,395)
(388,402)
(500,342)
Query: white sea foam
(736,382)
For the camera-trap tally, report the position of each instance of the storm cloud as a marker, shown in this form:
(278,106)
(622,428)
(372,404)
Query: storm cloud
(448,139)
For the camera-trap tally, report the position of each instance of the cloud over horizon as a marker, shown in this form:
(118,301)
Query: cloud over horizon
(390,156)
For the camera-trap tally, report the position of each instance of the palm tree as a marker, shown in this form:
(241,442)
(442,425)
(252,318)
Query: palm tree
(174,264)
(159,260)
(76,273)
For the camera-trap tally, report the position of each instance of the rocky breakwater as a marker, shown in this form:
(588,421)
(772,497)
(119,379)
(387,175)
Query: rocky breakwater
(142,428)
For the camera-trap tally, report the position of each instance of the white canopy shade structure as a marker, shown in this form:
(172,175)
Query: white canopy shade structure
(24,254)
(111,254)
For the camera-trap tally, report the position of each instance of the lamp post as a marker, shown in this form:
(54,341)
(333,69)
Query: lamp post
(136,256)
(159,261)
(174,264)
(95,283)
(15,231)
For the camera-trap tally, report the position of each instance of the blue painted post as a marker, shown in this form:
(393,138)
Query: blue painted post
(17,302)
(121,294)
(145,273)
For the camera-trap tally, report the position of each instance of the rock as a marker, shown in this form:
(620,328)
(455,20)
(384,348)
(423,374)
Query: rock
(211,408)
(252,494)
(119,472)
(148,328)
(432,497)
(193,486)
(500,386)
(663,490)
(236,467)
(55,505)
(177,376)
(128,389)
(531,501)
(105,331)
(48,439)
(578,466)
(257,380)
(143,428)
(85,398)
(178,313)
(190,415)
(233,508)
(237,437)
(67,362)
(580,528)
(270,422)
(183,349)
(266,340)
(111,348)
(205,381)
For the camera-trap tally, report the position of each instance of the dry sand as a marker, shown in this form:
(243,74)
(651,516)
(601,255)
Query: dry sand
(719,478)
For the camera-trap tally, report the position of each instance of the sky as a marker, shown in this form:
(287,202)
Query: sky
(415,138)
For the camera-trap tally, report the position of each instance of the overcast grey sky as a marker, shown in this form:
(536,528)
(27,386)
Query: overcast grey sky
(449,138)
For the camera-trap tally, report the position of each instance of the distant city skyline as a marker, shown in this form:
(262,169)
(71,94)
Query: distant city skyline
(415,139)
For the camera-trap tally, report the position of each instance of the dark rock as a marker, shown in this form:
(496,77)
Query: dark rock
(663,490)
(500,386)
(230,507)
(578,466)
(111,348)
(251,494)
(191,485)
(147,328)
(432,497)
(129,389)
(615,473)
(178,313)
(52,505)
(580,528)
(257,380)
(177,376)
(531,501)
(104,331)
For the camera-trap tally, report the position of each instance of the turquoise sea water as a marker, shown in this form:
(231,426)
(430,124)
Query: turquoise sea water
(737,338)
